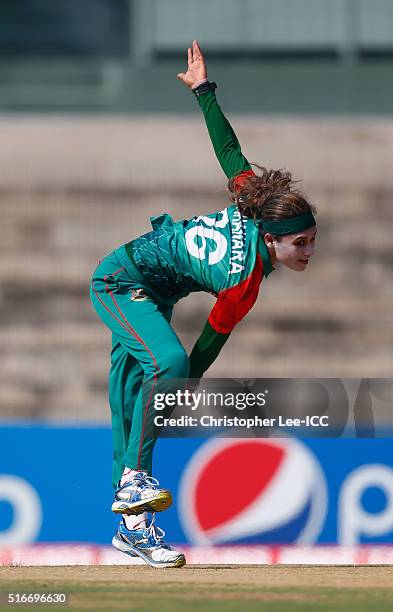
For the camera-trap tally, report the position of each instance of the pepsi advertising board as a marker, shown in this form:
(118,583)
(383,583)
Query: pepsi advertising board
(226,491)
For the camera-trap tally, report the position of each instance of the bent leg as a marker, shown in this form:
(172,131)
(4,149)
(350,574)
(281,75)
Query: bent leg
(144,332)
(162,357)
(172,363)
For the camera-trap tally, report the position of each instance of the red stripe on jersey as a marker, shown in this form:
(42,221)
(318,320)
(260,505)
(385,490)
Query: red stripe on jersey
(234,303)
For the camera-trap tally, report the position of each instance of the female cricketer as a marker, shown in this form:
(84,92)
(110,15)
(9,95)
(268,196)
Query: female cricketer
(134,289)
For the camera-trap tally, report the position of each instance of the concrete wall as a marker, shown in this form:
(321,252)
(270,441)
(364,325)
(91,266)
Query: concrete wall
(73,188)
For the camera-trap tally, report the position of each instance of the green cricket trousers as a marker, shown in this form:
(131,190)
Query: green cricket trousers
(145,350)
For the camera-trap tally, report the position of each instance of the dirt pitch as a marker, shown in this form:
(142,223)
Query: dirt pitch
(226,588)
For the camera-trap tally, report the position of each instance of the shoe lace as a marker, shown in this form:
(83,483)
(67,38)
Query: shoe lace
(154,534)
(141,480)
(149,482)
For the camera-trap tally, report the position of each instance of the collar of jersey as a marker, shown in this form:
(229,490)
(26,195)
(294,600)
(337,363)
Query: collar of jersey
(264,253)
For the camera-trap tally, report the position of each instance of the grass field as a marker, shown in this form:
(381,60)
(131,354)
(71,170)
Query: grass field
(208,588)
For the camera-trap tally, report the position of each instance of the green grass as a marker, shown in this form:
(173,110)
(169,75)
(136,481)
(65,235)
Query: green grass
(173,597)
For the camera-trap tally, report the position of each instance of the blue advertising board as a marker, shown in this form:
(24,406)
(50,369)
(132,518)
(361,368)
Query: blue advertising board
(55,486)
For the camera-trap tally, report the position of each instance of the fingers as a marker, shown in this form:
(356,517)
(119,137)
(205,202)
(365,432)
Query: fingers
(197,50)
(194,53)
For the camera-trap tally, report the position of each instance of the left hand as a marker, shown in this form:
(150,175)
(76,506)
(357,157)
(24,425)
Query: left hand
(196,70)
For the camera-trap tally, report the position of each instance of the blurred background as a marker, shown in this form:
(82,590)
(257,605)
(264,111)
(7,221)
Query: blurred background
(97,135)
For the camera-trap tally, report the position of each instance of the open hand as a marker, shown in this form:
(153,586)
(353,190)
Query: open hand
(196,70)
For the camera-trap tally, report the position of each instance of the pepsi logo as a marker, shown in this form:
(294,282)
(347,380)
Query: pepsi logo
(253,491)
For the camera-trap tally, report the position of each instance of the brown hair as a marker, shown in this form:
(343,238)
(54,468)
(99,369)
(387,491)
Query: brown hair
(270,195)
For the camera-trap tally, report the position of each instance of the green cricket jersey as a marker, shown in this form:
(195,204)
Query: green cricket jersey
(221,253)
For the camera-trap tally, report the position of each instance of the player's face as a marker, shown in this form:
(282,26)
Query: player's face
(294,251)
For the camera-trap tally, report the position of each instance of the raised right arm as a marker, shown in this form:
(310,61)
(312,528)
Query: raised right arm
(222,136)
(225,143)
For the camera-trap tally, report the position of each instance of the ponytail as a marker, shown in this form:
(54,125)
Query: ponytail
(269,196)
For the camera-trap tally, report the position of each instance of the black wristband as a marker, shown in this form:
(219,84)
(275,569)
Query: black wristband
(204,88)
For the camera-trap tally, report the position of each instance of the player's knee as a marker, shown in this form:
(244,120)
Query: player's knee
(176,365)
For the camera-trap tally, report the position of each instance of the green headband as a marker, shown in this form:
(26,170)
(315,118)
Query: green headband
(293,225)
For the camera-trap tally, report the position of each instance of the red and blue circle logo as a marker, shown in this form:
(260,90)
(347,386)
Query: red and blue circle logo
(253,491)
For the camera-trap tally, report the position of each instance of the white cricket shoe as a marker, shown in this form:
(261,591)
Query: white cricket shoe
(148,544)
(141,494)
